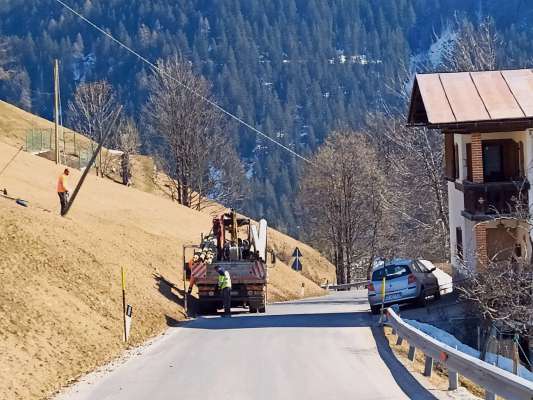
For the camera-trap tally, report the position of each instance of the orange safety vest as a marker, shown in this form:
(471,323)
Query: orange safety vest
(62,184)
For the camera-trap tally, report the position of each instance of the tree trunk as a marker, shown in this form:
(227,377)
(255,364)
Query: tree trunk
(125,164)
(340,266)
(185,193)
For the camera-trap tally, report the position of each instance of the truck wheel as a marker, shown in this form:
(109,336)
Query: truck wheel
(253,310)
(201,309)
(375,309)
(422,302)
(262,309)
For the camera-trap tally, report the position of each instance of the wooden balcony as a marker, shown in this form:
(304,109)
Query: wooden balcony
(485,201)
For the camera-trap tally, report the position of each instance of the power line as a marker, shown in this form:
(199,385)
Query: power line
(191,90)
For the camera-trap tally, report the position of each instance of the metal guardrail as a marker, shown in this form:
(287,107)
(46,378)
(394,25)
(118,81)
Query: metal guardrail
(345,285)
(494,380)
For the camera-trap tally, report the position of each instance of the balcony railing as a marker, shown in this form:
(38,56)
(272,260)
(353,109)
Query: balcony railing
(492,199)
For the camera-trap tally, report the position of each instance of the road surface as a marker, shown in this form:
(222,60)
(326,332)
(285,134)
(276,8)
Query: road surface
(326,348)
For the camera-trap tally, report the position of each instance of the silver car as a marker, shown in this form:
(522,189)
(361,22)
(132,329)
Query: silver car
(406,281)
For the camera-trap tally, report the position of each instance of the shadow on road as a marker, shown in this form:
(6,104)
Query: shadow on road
(325,320)
(401,375)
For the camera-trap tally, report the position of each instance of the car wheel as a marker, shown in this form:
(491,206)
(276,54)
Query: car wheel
(422,297)
(253,310)
(375,309)
(437,294)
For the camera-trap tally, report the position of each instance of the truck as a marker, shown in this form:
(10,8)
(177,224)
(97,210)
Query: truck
(239,246)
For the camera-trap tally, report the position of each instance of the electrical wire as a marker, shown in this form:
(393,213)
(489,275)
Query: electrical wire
(189,89)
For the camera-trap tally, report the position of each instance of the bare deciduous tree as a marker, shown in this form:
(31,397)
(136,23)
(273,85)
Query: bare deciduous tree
(416,196)
(195,152)
(92,112)
(472,47)
(341,194)
(503,292)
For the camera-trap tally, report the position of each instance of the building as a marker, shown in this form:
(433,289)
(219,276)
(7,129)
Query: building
(487,122)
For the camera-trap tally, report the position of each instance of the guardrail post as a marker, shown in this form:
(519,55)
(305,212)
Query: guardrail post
(399,341)
(453,380)
(393,331)
(412,351)
(428,367)
(489,396)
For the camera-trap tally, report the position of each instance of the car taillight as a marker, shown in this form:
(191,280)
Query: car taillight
(411,279)
(371,287)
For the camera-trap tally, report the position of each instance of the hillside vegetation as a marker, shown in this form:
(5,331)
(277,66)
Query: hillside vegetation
(61,294)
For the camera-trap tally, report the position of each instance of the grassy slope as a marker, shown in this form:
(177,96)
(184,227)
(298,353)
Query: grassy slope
(61,298)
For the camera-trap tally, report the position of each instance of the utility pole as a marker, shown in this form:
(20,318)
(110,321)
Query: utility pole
(56,109)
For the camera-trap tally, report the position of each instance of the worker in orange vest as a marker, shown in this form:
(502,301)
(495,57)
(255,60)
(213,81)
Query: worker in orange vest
(62,190)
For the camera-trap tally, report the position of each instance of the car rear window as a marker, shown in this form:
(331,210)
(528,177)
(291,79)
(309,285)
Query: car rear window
(391,271)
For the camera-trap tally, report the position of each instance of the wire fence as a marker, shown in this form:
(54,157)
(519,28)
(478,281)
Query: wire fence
(74,150)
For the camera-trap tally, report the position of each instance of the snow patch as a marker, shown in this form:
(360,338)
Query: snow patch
(452,341)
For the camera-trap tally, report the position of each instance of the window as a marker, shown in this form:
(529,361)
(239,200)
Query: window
(392,271)
(501,160)
(492,162)
(422,267)
(459,244)
(415,267)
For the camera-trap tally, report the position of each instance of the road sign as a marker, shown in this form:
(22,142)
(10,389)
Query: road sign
(296,253)
(127,315)
(297,265)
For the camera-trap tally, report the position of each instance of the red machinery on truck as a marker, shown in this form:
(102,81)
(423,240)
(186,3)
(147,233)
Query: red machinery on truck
(239,246)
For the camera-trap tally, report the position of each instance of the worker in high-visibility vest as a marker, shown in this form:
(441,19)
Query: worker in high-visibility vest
(224,285)
(62,190)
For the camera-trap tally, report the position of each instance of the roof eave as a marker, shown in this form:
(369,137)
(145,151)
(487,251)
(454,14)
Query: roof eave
(479,126)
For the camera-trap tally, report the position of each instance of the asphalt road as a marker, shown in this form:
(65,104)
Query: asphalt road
(326,348)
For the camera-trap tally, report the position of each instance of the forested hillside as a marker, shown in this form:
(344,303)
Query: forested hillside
(296,69)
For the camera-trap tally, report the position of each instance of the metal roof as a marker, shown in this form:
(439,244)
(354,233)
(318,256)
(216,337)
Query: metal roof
(446,99)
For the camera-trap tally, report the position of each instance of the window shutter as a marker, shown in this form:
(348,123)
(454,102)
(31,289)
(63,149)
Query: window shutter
(449,157)
(456,162)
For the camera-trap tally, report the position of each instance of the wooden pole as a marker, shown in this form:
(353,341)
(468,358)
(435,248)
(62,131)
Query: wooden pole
(123,274)
(56,109)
